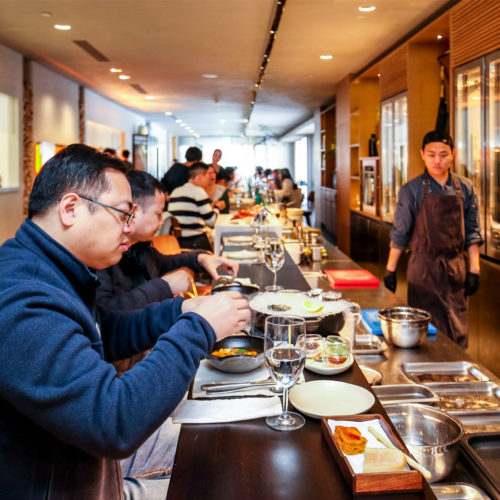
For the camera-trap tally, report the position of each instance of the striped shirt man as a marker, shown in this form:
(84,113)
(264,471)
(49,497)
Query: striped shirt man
(192,208)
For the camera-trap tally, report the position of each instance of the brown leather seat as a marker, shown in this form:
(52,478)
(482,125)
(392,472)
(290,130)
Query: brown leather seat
(166,244)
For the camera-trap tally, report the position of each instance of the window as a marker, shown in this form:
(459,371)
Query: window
(9,142)
(394,129)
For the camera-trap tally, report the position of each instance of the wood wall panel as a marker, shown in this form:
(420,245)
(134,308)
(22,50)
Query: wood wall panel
(474,30)
(343,161)
(394,73)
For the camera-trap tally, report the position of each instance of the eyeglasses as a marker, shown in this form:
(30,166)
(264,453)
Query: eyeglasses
(128,216)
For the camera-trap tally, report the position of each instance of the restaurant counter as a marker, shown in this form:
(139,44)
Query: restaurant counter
(249,460)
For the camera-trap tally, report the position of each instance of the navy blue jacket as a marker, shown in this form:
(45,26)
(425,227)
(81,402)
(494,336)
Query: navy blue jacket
(65,415)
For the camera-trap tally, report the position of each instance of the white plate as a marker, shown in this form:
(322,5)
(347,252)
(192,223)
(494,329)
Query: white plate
(328,398)
(242,255)
(373,376)
(323,369)
(240,239)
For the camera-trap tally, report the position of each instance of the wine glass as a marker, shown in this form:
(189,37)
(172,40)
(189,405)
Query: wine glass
(274,257)
(285,356)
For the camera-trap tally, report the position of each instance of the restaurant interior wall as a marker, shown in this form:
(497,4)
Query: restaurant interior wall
(55,106)
(11,83)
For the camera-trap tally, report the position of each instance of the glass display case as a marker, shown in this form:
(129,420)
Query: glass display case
(477,139)
(394,142)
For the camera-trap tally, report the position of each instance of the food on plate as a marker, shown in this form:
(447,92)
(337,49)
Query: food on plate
(312,306)
(234,351)
(383,460)
(473,401)
(243,214)
(426,378)
(279,307)
(350,440)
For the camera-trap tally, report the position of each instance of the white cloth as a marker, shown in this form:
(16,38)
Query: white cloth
(225,410)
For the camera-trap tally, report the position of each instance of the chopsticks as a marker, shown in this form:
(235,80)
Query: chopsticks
(194,292)
(409,460)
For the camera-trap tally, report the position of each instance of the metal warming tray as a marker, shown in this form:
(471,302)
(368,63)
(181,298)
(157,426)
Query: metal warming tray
(484,449)
(478,396)
(442,372)
(458,491)
(474,421)
(368,344)
(405,393)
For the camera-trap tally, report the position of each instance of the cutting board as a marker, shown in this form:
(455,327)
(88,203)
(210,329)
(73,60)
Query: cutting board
(351,278)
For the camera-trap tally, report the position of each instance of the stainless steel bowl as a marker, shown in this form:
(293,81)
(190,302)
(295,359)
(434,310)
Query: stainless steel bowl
(431,436)
(404,326)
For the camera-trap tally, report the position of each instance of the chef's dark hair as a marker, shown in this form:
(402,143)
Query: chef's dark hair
(436,136)
(143,185)
(76,169)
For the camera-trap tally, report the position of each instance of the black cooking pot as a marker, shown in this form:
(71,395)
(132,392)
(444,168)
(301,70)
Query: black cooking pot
(235,286)
(238,363)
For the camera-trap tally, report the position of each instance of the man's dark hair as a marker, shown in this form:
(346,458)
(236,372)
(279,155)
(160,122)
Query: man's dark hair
(126,153)
(197,169)
(436,136)
(268,172)
(193,154)
(110,151)
(77,168)
(223,175)
(143,185)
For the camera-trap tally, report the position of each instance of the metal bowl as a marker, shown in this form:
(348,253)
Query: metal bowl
(233,285)
(239,363)
(431,435)
(404,326)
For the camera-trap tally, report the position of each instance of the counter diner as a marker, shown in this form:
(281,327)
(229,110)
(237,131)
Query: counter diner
(248,460)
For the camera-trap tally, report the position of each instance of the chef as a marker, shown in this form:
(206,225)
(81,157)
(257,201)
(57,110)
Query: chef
(437,216)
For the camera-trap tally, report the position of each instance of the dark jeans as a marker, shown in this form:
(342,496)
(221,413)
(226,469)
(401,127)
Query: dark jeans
(200,242)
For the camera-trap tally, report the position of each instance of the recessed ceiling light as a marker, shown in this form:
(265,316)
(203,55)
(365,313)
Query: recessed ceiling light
(62,27)
(379,75)
(115,70)
(124,77)
(439,37)
(367,9)
(46,13)
(150,97)
(326,56)
(222,121)
(209,75)
(168,113)
(178,121)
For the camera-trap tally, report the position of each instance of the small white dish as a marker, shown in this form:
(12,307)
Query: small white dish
(329,398)
(373,376)
(317,366)
(240,239)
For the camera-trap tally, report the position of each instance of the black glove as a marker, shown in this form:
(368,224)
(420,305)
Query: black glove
(471,283)
(390,280)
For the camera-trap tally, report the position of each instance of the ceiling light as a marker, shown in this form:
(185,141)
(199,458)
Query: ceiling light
(62,27)
(209,75)
(168,113)
(326,56)
(367,9)
(178,121)
(439,37)
(124,77)
(222,122)
(150,97)
(379,75)
(115,70)
(46,13)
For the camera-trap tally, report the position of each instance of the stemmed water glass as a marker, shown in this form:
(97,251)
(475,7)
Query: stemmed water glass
(274,257)
(285,355)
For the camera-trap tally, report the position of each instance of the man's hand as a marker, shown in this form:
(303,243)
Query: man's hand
(227,312)
(211,263)
(220,204)
(471,283)
(189,305)
(179,280)
(390,280)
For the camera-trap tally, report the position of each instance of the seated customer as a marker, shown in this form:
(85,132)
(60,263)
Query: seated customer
(144,275)
(194,211)
(216,191)
(66,417)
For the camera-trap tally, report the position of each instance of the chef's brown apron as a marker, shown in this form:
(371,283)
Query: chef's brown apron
(437,269)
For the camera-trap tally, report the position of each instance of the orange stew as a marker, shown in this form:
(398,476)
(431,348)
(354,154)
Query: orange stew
(233,351)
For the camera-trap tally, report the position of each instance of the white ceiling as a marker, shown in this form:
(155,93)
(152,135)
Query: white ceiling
(166,46)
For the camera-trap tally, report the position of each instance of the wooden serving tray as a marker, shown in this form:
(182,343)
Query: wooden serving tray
(372,483)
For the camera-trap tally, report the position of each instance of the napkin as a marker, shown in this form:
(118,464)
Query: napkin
(372,322)
(207,374)
(225,410)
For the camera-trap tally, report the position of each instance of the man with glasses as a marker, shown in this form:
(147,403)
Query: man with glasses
(66,417)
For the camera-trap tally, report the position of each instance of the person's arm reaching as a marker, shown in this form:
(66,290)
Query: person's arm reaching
(472,278)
